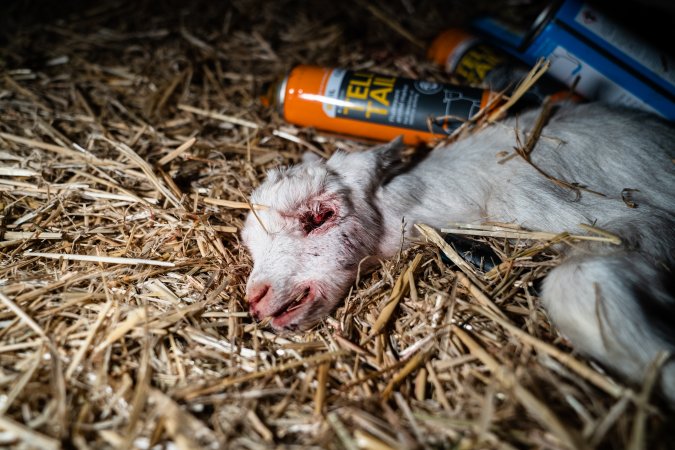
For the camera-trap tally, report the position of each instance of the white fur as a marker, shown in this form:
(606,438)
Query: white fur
(615,304)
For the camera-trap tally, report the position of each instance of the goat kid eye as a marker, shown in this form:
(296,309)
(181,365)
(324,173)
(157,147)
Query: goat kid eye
(312,220)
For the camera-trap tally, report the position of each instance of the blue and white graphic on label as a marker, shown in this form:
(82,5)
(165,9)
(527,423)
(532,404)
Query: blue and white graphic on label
(332,91)
(593,85)
(427,87)
(454,97)
(627,42)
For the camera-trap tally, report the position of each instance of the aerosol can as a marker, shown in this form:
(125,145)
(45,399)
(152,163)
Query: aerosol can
(473,61)
(374,106)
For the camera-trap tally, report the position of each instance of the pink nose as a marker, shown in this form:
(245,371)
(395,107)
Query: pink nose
(258,296)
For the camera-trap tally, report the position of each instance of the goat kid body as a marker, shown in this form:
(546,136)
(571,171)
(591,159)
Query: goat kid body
(614,303)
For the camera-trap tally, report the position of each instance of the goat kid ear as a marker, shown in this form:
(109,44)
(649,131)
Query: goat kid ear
(369,168)
(388,157)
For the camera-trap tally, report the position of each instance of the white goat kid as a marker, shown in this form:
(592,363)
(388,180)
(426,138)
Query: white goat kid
(615,303)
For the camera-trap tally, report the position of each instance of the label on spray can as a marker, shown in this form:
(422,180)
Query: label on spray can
(475,65)
(400,102)
(376,106)
(465,56)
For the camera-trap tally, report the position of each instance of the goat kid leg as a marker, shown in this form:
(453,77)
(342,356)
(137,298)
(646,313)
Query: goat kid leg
(616,308)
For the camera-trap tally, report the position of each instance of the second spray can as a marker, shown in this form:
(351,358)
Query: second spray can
(474,62)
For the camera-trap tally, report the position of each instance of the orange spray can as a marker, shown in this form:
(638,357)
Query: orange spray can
(369,105)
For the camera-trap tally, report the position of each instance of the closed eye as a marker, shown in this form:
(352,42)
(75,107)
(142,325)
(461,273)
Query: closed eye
(312,220)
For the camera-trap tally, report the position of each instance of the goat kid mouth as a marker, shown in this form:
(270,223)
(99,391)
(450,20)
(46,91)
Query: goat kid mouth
(287,313)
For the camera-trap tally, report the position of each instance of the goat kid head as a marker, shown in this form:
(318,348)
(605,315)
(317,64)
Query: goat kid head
(319,220)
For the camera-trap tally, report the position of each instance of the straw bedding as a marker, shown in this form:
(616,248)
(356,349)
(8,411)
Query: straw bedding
(130,137)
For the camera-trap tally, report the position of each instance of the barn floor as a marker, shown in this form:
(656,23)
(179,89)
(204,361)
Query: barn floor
(134,130)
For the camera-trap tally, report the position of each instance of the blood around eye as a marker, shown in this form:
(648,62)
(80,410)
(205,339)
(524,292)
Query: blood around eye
(312,220)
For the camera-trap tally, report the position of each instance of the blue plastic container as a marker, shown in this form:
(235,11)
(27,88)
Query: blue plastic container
(607,62)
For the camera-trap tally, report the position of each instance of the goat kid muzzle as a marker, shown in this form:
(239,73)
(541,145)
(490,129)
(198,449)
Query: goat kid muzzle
(284,310)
